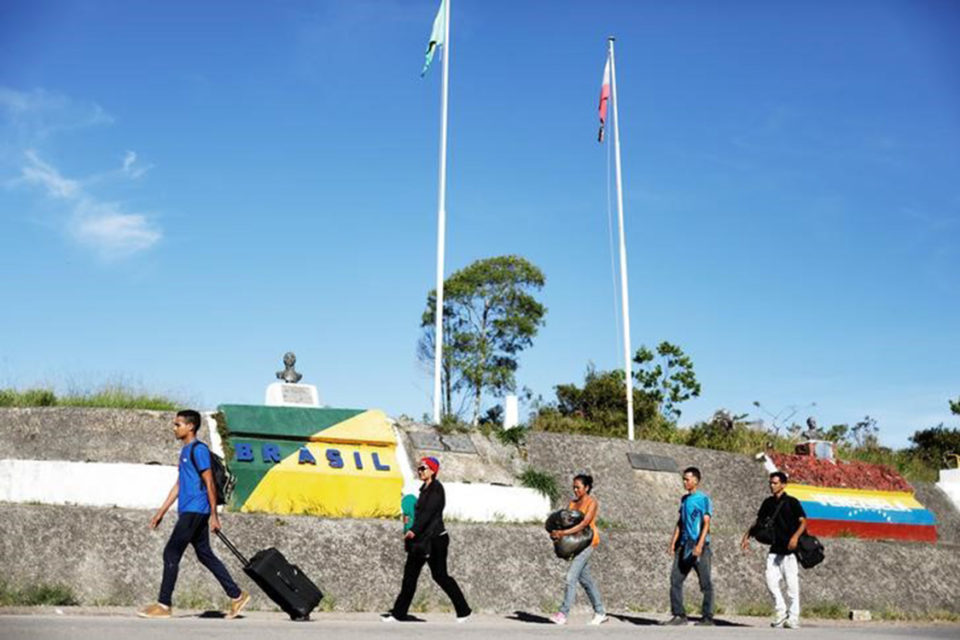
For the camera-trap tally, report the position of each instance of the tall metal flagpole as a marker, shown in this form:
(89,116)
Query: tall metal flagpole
(441,218)
(627,368)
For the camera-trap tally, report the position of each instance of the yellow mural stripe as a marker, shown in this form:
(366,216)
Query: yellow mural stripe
(347,492)
(369,427)
(901,499)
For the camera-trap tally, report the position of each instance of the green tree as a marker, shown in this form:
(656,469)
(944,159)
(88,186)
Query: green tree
(599,408)
(489,316)
(955,406)
(838,433)
(865,433)
(666,378)
(932,445)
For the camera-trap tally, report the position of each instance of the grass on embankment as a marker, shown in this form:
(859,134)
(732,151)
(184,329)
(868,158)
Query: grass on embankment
(109,396)
(41,594)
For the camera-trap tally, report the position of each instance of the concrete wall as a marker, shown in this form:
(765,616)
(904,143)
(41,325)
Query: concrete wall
(88,435)
(649,500)
(109,556)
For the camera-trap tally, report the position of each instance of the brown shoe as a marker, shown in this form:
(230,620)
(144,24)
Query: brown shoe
(237,604)
(155,610)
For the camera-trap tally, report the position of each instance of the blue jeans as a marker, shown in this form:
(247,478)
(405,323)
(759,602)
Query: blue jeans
(580,572)
(192,528)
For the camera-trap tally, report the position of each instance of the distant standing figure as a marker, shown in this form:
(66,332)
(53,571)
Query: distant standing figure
(196,498)
(789,523)
(690,548)
(579,570)
(427,543)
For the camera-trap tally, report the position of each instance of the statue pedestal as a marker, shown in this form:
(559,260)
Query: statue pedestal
(286,394)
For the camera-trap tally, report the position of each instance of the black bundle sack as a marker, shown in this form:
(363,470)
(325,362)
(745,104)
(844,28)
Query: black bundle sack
(568,546)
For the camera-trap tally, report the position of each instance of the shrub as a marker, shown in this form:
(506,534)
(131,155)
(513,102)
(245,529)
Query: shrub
(541,481)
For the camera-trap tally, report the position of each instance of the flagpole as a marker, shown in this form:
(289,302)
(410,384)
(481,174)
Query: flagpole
(627,363)
(441,218)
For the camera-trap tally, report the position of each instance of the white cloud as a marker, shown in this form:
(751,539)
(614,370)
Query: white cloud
(37,172)
(112,233)
(27,120)
(34,115)
(99,225)
(130,167)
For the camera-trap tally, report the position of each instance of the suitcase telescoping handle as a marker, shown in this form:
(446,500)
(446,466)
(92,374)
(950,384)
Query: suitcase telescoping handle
(232,548)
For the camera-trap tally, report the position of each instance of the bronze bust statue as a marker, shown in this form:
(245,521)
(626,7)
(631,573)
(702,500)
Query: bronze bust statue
(289,374)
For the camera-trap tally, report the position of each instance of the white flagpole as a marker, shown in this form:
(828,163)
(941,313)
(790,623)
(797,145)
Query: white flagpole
(441,218)
(627,363)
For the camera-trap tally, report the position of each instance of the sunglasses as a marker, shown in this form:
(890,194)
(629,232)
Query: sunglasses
(421,468)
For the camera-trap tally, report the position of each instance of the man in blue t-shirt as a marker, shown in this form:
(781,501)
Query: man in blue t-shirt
(690,548)
(196,498)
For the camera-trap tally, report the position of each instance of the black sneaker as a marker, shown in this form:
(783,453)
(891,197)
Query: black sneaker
(705,622)
(676,621)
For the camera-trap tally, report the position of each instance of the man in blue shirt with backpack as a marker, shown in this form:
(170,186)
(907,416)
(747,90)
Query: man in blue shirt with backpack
(196,497)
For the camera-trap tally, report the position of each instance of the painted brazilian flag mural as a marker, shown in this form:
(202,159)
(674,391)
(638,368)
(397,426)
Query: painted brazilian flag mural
(327,462)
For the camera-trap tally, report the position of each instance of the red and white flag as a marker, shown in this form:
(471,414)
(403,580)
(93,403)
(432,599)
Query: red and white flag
(604,98)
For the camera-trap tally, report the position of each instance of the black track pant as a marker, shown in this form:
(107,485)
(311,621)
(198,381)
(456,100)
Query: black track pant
(192,528)
(438,569)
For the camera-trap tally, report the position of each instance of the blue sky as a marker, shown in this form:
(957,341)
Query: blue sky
(188,190)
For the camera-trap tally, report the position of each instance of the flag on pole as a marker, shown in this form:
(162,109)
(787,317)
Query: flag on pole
(604,98)
(436,36)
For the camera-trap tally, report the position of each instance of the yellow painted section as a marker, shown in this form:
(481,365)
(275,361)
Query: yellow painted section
(347,492)
(860,498)
(369,427)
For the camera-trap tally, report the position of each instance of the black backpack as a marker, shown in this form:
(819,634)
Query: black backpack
(223,480)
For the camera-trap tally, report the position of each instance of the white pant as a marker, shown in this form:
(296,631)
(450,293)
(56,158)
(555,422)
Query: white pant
(785,567)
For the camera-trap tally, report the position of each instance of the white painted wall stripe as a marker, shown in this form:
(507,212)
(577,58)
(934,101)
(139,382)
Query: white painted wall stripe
(95,484)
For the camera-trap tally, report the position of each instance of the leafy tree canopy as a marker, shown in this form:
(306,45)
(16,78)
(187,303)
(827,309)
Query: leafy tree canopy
(490,315)
(667,377)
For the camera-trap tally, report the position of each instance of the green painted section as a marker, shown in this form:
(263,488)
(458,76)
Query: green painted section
(282,422)
(249,474)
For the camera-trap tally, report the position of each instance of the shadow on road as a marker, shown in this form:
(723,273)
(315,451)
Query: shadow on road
(644,622)
(523,616)
(727,623)
(213,614)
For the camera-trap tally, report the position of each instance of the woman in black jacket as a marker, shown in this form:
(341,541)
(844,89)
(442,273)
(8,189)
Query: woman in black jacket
(427,542)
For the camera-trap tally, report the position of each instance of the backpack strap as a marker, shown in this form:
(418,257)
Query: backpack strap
(195,465)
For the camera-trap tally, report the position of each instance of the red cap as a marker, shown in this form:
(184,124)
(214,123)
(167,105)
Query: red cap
(431,462)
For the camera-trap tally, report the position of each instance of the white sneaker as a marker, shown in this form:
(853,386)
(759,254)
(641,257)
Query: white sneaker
(598,619)
(779,622)
(388,617)
(559,618)
(462,619)
(791,624)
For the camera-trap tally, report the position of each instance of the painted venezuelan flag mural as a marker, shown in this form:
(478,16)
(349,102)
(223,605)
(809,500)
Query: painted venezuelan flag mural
(856,498)
(304,460)
(892,515)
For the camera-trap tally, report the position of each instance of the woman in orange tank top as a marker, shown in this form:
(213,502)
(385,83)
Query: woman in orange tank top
(579,569)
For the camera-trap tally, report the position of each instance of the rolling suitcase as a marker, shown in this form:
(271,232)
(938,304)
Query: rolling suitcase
(283,582)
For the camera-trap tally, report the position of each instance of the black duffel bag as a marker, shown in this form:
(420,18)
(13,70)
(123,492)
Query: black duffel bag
(570,545)
(809,551)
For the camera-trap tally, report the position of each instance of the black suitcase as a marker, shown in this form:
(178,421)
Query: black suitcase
(283,582)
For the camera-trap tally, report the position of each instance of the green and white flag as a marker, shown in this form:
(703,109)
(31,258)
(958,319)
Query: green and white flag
(436,36)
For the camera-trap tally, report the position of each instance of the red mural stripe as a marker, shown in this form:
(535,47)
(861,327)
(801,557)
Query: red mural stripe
(875,530)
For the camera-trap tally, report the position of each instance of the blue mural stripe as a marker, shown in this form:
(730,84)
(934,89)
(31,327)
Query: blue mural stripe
(819,511)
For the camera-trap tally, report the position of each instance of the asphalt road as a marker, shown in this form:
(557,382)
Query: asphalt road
(122,625)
